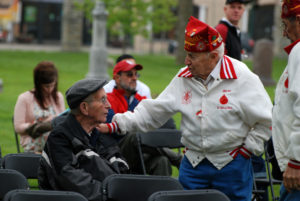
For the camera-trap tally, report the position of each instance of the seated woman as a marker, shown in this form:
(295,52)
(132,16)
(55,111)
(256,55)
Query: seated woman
(36,108)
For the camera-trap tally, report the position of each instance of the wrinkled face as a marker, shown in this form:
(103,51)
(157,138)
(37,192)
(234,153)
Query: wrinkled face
(234,12)
(97,107)
(291,28)
(127,80)
(199,64)
(48,88)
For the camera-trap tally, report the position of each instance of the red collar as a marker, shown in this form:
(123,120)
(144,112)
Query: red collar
(289,48)
(226,72)
(119,91)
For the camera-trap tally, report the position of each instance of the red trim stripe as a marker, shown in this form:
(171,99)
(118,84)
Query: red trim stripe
(235,152)
(294,164)
(185,73)
(109,128)
(227,70)
(245,152)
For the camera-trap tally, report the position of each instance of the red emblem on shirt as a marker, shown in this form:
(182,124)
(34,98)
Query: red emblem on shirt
(223,100)
(186,99)
(286,83)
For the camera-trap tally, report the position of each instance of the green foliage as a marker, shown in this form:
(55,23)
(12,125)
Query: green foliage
(132,17)
(163,19)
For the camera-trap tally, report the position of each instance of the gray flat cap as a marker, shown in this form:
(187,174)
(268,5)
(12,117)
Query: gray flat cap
(82,89)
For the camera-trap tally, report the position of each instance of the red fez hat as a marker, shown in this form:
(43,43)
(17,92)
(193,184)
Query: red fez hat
(290,8)
(126,65)
(200,37)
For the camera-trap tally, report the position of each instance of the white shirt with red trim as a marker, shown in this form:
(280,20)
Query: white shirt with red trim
(286,112)
(232,116)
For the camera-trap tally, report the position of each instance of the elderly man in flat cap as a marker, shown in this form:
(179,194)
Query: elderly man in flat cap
(228,27)
(226,115)
(286,112)
(76,157)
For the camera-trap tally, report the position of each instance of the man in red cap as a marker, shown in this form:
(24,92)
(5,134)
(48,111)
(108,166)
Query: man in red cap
(226,115)
(286,111)
(123,98)
(228,27)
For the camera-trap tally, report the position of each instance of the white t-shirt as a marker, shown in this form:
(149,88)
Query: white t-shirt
(141,88)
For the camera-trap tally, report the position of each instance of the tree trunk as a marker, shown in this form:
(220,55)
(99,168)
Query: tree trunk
(185,10)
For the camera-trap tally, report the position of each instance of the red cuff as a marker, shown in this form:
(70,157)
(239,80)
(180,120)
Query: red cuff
(294,164)
(113,127)
(235,152)
(245,152)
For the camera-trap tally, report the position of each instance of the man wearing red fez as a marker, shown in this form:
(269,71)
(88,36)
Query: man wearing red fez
(226,115)
(286,111)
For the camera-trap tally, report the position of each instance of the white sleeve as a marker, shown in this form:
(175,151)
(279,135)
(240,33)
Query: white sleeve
(150,113)
(256,111)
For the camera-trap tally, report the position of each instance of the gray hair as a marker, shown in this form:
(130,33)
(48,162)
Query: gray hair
(220,50)
(76,111)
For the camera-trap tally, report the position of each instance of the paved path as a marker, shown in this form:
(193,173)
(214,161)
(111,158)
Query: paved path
(51,48)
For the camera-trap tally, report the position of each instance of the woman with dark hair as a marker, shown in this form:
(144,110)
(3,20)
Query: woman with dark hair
(36,108)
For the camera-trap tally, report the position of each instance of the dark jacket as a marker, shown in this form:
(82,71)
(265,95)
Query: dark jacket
(74,161)
(232,40)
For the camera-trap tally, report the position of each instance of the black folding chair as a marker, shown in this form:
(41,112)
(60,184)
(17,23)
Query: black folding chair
(269,181)
(136,187)
(190,195)
(10,180)
(159,138)
(43,195)
(16,136)
(25,163)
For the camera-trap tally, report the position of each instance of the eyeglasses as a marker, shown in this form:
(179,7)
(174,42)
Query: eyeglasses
(102,100)
(131,74)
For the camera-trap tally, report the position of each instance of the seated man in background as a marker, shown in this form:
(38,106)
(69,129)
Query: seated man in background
(123,98)
(76,156)
(141,87)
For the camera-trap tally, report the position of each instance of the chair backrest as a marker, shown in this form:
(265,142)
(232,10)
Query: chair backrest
(190,195)
(158,138)
(161,138)
(43,195)
(16,136)
(10,180)
(26,163)
(136,187)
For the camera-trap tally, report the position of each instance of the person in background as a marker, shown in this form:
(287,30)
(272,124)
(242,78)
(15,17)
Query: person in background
(141,87)
(228,27)
(226,115)
(123,98)
(35,108)
(286,111)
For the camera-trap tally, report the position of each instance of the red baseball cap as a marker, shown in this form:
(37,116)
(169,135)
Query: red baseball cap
(200,37)
(126,65)
(290,8)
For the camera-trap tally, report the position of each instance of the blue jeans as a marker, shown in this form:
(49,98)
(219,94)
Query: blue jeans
(235,179)
(289,196)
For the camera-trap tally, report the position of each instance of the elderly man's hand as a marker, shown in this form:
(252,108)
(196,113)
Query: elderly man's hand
(291,178)
(103,128)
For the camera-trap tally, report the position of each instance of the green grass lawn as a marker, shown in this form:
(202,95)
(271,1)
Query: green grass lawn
(16,71)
